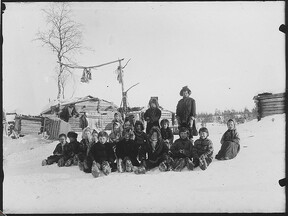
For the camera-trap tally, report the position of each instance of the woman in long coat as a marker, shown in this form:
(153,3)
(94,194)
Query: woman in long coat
(186,110)
(152,115)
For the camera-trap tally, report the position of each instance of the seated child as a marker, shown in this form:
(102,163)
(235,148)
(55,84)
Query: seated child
(116,133)
(155,149)
(140,136)
(101,156)
(166,132)
(182,151)
(75,145)
(127,152)
(85,145)
(203,149)
(62,151)
(230,142)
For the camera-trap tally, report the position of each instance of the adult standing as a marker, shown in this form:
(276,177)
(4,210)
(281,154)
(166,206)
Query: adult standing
(186,110)
(152,115)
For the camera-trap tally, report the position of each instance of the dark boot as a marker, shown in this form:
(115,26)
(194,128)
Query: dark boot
(61,162)
(180,165)
(44,162)
(106,168)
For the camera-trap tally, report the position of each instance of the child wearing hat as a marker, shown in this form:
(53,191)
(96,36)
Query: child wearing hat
(101,156)
(203,150)
(116,133)
(155,149)
(75,146)
(182,151)
(127,152)
(117,118)
(152,115)
(61,153)
(230,143)
(166,133)
(140,136)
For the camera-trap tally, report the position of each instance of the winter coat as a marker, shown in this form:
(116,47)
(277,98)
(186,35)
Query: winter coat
(155,155)
(76,146)
(102,152)
(230,135)
(85,146)
(152,117)
(186,108)
(66,151)
(127,148)
(141,138)
(167,134)
(203,147)
(182,144)
(115,136)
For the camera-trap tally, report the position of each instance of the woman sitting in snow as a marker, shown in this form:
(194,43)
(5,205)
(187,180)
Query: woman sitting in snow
(61,154)
(230,142)
(155,149)
(203,150)
(127,152)
(166,132)
(101,156)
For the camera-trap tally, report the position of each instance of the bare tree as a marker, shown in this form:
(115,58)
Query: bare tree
(64,37)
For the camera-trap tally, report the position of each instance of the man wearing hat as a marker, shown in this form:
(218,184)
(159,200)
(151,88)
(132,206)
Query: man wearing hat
(186,110)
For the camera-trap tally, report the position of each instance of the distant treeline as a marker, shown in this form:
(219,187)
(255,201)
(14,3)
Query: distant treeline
(223,116)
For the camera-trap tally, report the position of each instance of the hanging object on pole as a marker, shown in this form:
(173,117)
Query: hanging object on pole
(86,76)
(119,74)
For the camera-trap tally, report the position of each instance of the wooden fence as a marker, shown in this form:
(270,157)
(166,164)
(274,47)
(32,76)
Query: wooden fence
(54,127)
(269,104)
(28,124)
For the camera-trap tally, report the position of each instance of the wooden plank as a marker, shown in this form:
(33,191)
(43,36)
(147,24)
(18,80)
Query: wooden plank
(272,99)
(272,96)
(273,112)
(273,104)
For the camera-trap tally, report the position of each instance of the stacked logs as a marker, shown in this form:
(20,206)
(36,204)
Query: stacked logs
(269,104)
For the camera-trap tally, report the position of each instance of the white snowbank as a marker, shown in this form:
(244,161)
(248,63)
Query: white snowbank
(248,183)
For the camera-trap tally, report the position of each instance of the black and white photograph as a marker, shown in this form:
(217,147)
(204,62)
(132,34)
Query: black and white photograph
(143,107)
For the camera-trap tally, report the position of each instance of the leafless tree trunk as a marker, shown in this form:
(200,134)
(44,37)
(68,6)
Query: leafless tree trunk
(63,37)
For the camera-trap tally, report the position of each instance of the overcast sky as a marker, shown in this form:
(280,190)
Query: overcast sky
(225,52)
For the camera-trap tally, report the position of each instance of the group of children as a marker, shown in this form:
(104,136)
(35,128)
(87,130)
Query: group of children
(129,149)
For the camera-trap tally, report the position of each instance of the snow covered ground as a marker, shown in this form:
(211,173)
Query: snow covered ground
(248,183)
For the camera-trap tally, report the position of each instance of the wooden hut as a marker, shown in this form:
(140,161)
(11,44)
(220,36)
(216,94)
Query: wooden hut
(26,125)
(269,104)
(99,112)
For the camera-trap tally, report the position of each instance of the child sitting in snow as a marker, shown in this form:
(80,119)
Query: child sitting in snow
(166,132)
(116,133)
(101,156)
(75,145)
(203,149)
(140,136)
(230,142)
(155,149)
(85,145)
(62,151)
(127,152)
(182,151)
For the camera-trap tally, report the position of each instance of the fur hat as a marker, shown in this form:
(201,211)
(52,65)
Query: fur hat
(185,88)
(155,101)
(232,120)
(157,130)
(204,129)
(72,134)
(164,121)
(184,129)
(84,131)
(139,123)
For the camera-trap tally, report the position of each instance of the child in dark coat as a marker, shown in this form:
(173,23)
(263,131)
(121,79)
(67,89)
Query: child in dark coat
(62,153)
(230,142)
(166,132)
(101,156)
(127,152)
(152,115)
(140,136)
(155,149)
(182,151)
(75,145)
(203,150)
